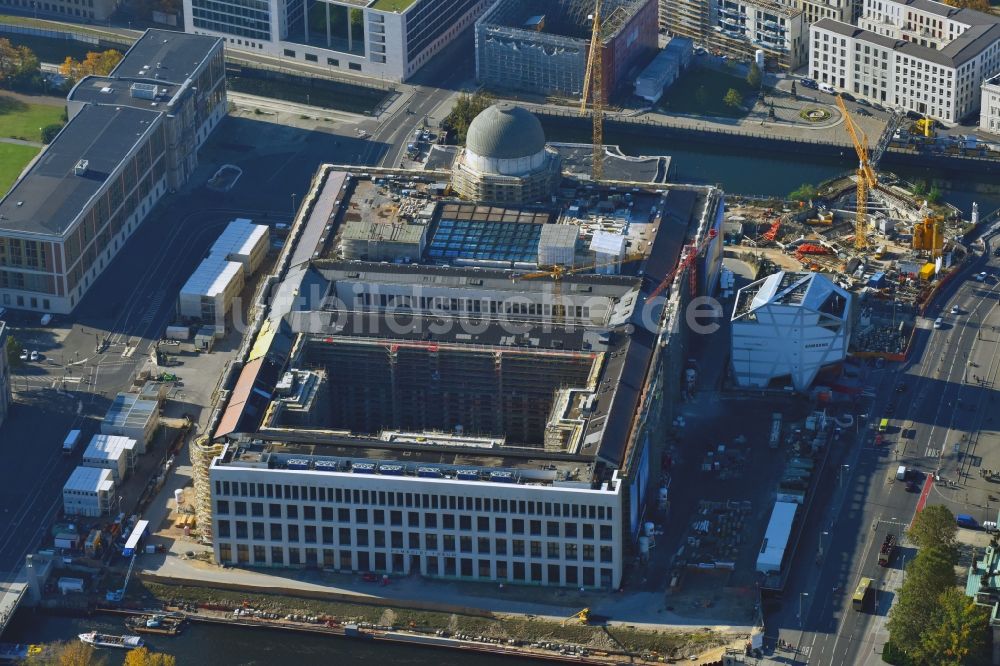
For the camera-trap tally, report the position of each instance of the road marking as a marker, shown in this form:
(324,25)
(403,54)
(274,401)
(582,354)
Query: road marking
(932,452)
(928,483)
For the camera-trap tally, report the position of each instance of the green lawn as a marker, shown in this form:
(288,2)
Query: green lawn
(19,120)
(682,97)
(392,5)
(13,159)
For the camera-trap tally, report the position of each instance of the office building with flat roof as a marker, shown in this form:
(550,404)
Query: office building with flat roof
(131,137)
(387,39)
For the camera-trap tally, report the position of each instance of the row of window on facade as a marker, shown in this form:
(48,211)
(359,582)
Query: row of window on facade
(426,520)
(392,498)
(346,537)
(429,565)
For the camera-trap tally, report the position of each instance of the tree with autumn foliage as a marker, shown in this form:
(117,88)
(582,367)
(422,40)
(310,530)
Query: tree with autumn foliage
(95,64)
(143,657)
(68,654)
(19,65)
(978,5)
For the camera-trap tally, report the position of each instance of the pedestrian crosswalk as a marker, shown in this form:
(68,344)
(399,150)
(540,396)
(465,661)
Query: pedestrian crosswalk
(153,307)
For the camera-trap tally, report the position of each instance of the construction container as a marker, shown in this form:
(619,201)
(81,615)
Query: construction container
(927,272)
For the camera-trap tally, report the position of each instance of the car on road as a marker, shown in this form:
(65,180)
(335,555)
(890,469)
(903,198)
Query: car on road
(877,106)
(809,83)
(981,277)
(939,322)
(827,88)
(24,354)
(967,521)
(900,388)
(864,112)
(956,310)
(912,487)
(864,102)
(35,355)
(848,96)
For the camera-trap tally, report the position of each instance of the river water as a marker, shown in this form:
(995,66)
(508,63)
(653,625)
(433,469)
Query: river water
(757,172)
(213,645)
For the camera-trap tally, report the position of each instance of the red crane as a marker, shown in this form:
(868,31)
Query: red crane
(688,255)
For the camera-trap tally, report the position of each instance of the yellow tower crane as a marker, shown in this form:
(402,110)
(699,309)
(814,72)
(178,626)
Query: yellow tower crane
(867,180)
(593,86)
(557,272)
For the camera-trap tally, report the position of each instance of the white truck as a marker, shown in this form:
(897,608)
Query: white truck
(69,444)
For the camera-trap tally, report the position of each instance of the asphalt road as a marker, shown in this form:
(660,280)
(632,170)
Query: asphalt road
(937,410)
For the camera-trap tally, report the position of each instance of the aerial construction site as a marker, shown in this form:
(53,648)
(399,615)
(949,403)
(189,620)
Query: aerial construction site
(883,242)
(542,46)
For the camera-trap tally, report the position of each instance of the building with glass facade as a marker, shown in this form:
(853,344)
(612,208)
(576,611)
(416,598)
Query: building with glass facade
(388,39)
(132,136)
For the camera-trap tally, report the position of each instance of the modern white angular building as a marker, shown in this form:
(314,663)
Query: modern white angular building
(789,325)
(388,39)
(989,108)
(916,55)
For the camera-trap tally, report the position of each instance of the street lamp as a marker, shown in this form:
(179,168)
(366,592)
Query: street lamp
(293,205)
(801,594)
(843,469)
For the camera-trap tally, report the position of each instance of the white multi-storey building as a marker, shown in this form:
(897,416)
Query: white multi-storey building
(389,39)
(276,509)
(838,10)
(989,108)
(916,55)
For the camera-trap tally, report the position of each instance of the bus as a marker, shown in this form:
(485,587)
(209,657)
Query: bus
(861,594)
(883,425)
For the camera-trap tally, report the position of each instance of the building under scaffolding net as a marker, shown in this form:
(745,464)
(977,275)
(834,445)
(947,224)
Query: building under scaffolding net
(541,46)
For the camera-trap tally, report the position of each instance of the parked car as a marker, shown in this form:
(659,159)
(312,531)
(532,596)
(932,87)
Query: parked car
(864,102)
(848,96)
(24,354)
(981,277)
(808,83)
(967,521)
(912,487)
(990,526)
(955,309)
(827,88)
(35,356)
(863,112)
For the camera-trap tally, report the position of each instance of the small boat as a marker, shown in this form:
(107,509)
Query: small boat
(166,625)
(111,641)
(13,652)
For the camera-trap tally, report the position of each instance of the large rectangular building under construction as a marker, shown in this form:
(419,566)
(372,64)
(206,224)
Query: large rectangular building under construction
(462,411)
(542,46)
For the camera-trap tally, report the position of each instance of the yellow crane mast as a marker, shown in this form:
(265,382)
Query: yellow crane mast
(557,272)
(867,180)
(593,87)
